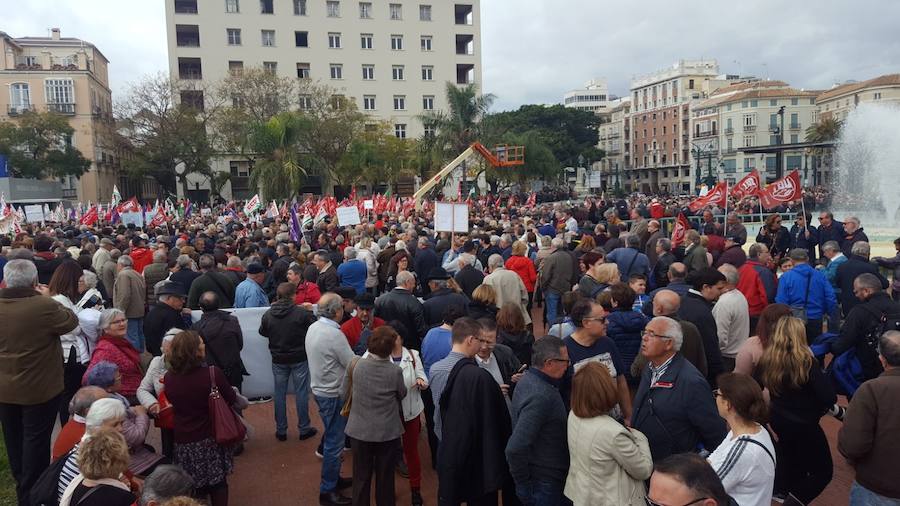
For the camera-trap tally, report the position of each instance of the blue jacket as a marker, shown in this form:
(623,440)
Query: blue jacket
(624,328)
(249,294)
(353,273)
(623,258)
(831,270)
(820,299)
(538,449)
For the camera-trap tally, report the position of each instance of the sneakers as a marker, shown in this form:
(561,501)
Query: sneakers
(260,400)
(838,412)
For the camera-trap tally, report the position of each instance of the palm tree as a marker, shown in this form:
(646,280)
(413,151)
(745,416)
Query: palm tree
(826,130)
(460,125)
(277,171)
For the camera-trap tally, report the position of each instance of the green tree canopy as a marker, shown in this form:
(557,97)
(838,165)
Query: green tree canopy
(278,170)
(38,145)
(568,132)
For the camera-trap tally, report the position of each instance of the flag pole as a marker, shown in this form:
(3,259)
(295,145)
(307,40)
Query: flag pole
(725,223)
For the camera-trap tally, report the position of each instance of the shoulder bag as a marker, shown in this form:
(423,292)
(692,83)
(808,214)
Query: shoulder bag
(227,427)
(800,311)
(348,401)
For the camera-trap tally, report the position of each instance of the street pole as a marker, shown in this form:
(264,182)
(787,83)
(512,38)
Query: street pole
(779,155)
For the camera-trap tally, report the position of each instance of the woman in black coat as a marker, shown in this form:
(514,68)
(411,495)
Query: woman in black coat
(775,237)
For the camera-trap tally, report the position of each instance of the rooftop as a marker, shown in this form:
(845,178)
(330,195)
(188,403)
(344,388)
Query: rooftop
(885,80)
(53,41)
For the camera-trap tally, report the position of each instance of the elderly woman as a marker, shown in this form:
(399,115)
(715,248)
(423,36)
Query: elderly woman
(519,263)
(484,302)
(589,285)
(377,388)
(103,414)
(367,254)
(114,347)
(102,459)
(152,386)
(136,425)
(608,462)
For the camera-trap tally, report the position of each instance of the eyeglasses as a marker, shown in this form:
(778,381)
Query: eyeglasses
(717,393)
(650,333)
(599,319)
(485,342)
(651,502)
(567,361)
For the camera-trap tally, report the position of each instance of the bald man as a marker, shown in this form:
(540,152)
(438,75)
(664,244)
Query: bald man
(667,303)
(73,430)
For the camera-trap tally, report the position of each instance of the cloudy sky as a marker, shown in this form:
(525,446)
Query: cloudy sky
(536,50)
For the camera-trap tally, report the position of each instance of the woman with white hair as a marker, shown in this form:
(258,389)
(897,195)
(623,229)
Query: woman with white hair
(114,347)
(104,413)
(149,393)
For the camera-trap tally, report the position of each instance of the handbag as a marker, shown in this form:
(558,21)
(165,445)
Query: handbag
(348,401)
(800,311)
(165,419)
(227,427)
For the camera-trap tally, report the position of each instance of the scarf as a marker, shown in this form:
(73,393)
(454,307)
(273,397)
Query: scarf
(125,347)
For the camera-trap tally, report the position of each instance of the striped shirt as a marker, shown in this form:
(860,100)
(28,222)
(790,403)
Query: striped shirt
(68,472)
(437,381)
(657,372)
(746,466)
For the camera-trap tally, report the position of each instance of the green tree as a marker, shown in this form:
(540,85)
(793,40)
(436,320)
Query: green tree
(540,163)
(826,130)
(377,156)
(460,125)
(278,171)
(334,123)
(568,132)
(38,145)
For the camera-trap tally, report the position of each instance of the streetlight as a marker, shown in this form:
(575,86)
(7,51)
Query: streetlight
(806,153)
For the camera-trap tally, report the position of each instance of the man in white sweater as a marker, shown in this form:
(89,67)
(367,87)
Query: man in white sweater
(329,355)
(732,314)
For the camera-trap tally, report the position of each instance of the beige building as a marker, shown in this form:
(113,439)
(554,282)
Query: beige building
(594,97)
(394,59)
(615,141)
(67,76)
(840,100)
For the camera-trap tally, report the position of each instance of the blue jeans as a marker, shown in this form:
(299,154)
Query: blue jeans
(136,333)
(333,423)
(541,493)
(299,375)
(861,496)
(553,301)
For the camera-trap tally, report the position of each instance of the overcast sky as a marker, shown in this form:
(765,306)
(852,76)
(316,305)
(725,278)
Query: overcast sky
(536,50)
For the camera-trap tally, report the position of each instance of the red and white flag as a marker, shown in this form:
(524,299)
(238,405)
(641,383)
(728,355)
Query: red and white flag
(160,217)
(90,217)
(682,225)
(715,197)
(129,206)
(786,189)
(532,200)
(747,187)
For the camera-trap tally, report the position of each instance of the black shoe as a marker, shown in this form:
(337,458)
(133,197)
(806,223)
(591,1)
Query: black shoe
(333,499)
(343,483)
(308,434)
(417,498)
(402,470)
(281,437)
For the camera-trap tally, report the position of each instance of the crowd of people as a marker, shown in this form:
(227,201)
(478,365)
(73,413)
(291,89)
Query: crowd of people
(554,354)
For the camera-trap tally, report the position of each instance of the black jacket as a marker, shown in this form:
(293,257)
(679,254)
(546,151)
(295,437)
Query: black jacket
(328,280)
(478,310)
(860,321)
(508,364)
(799,240)
(469,278)
(833,233)
(285,325)
(438,301)
(521,344)
(425,260)
(778,242)
(224,341)
(849,239)
(695,309)
(847,272)
(661,270)
(158,321)
(280,268)
(401,305)
(211,281)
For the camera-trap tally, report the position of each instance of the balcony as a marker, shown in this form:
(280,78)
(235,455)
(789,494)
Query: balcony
(62,108)
(463,14)
(707,133)
(749,128)
(185,6)
(465,44)
(15,110)
(187,35)
(615,135)
(190,68)
(794,126)
(774,129)
(729,151)
(729,131)
(465,73)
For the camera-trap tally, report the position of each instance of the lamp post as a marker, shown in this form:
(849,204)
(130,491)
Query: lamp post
(806,153)
(779,155)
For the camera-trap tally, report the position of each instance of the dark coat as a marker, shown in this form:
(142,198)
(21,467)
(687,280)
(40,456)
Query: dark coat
(211,281)
(401,305)
(46,264)
(158,321)
(677,419)
(384,263)
(469,278)
(520,344)
(734,255)
(677,286)
(438,301)
(478,310)
(625,327)
(425,260)
(833,233)
(696,309)
(778,243)
(285,325)
(849,239)
(860,321)
(224,341)
(847,272)
(472,460)
(328,280)
(538,449)
(660,274)
(280,268)
(799,240)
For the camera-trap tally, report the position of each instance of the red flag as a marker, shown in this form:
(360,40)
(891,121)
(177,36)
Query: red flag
(532,200)
(786,189)
(681,227)
(716,196)
(90,217)
(159,219)
(746,187)
(129,206)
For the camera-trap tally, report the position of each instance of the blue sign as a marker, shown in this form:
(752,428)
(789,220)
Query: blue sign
(3,163)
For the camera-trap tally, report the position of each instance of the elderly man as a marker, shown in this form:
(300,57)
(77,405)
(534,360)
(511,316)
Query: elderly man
(353,271)
(509,286)
(556,275)
(108,273)
(224,340)
(656,234)
(328,278)
(868,437)
(682,478)
(130,295)
(804,235)
(184,272)
(400,304)
(72,432)
(676,282)
(537,450)
(140,254)
(732,315)
(662,260)
(667,303)
(31,371)
(853,233)
(468,277)
(210,280)
(156,272)
(440,297)
(733,253)
(249,292)
(829,230)
(329,355)
(630,260)
(831,252)
(360,327)
(674,406)
(757,282)
(808,292)
(423,261)
(166,482)
(735,228)
(101,256)
(856,265)
(166,314)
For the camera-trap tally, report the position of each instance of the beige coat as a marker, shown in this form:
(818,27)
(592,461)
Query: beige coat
(510,290)
(130,293)
(608,463)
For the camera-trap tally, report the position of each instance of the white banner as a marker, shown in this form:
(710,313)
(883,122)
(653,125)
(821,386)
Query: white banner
(348,216)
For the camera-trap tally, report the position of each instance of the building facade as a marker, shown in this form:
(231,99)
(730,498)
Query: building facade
(393,59)
(67,76)
(840,100)
(594,97)
(615,141)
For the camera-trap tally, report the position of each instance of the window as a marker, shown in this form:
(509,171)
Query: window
(334,40)
(185,36)
(773,121)
(749,164)
(424,13)
(268,38)
(427,73)
(399,102)
(266,7)
(19,96)
(730,147)
(690,84)
(338,102)
(337,71)
(426,42)
(795,120)
(368,102)
(192,99)
(232,6)
(186,6)
(299,7)
(400,130)
(303,70)
(368,72)
(429,131)
(428,102)
(60,95)
(301,39)
(794,139)
(748,141)
(773,103)
(795,101)
(234,36)
(188,68)
(396,11)
(397,72)
(365,10)
(365,41)
(754,103)
(397,42)
(773,140)
(304,103)
(270,66)
(236,68)
(876,95)
(333,9)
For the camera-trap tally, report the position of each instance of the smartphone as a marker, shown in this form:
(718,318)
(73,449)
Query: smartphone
(522,369)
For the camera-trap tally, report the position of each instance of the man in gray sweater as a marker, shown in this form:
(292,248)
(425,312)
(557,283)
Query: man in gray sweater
(537,450)
(329,355)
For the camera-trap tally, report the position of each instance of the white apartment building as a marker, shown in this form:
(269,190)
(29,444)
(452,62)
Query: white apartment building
(615,141)
(840,100)
(593,97)
(393,58)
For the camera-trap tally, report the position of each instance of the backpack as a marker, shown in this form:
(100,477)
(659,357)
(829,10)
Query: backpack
(45,491)
(846,371)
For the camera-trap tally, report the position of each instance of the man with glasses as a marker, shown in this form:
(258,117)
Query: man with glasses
(497,359)
(853,233)
(537,450)
(674,406)
(829,230)
(686,480)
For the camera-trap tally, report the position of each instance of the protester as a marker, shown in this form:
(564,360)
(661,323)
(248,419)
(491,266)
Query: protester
(624,325)
(556,273)
(509,287)
(101,461)
(114,347)
(853,233)
(807,292)
(165,482)
(695,257)
(732,315)
(211,280)
(440,295)
(165,314)
(687,479)
(696,307)
(512,332)
(757,282)
(71,433)
(776,237)
(130,296)
(751,351)
(402,305)
(249,292)
(857,264)
(151,389)
(307,291)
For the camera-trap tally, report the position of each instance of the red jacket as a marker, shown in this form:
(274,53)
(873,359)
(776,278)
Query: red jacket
(141,257)
(753,286)
(129,368)
(352,328)
(307,292)
(524,267)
